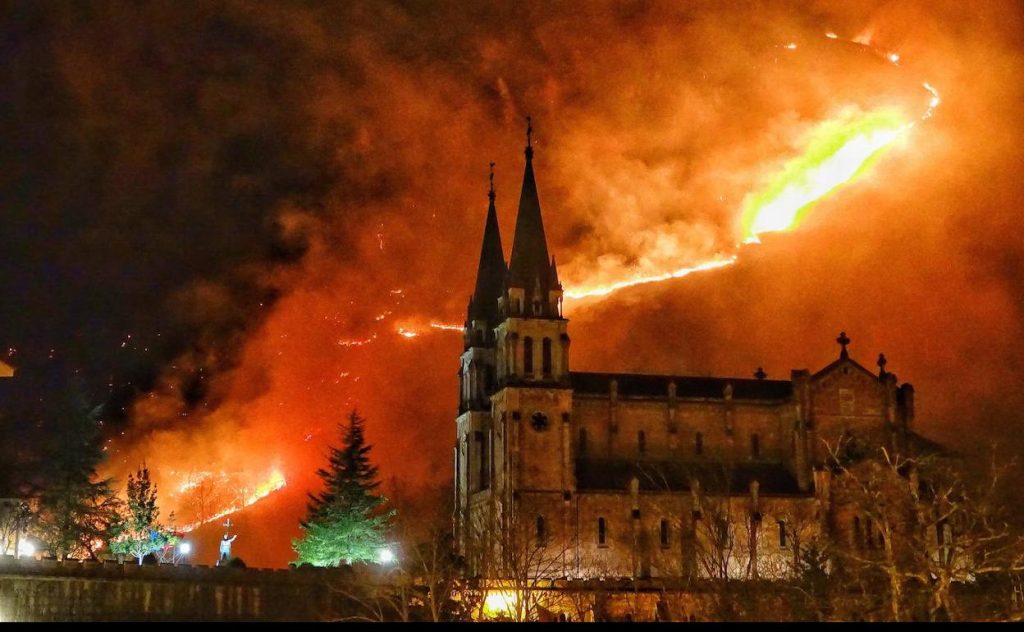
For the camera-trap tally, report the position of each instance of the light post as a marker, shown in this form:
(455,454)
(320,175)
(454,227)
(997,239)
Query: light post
(179,552)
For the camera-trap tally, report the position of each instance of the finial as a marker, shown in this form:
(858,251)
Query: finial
(881,364)
(529,137)
(843,340)
(490,194)
(760,374)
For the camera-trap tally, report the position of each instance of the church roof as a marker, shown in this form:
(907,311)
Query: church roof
(530,262)
(490,274)
(677,476)
(644,385)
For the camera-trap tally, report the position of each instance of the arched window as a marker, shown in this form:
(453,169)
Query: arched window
(602,532)
(542,534)
(536,308)
(528,355)
(664,533)
(546,357)
(869,533)
(698,443)
(856,532)
(582,447)
(783,540)
(755,445)
(641,442)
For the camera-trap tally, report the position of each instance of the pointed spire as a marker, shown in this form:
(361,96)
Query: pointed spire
(881,364)
(491,270)
(760,374)
(530,258)
(553,279)
(490,194)
(529,138)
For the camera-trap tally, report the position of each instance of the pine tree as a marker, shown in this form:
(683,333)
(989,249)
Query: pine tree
(76,510)
(347,522)
(139,533)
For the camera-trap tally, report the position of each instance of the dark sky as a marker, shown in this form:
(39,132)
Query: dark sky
(203,205)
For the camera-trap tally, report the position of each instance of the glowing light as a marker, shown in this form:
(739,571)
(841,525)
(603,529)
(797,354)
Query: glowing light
(446,327)
(500,602)
(407,333)
(675,274)
(790,46)
(357,342)
(831,35)
(386,556)
(26,548)
(933,102)
(838,152)
(273,483)
(894,58)
(185,548)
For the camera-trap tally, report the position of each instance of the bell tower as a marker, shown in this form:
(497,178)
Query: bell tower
(474,444)
(532,343)
(531,408)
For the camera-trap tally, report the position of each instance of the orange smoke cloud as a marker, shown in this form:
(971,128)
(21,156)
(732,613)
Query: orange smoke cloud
(653,124)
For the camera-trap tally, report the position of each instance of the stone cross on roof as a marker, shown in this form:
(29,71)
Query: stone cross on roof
(843,340)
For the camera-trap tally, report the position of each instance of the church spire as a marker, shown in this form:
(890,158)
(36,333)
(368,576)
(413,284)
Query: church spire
(530,261)
(490,272)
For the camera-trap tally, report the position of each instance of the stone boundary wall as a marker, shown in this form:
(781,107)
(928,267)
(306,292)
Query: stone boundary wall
(48,590)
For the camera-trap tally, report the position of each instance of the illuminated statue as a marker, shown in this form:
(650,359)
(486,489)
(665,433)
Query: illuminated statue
(225,542)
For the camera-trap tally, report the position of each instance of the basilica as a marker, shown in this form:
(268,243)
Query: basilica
(579,475)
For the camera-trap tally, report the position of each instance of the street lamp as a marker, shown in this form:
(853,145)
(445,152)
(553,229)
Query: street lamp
(26,549)
(386,556)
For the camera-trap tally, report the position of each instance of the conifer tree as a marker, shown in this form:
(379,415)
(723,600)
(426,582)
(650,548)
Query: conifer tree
(76,510)
(347,521)
(139,532)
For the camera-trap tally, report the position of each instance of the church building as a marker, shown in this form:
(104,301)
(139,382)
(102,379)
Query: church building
(578,475)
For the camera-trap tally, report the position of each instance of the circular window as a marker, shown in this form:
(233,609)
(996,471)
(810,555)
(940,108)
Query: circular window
(539,421)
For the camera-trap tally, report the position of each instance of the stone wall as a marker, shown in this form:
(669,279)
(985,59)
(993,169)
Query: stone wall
(47,590)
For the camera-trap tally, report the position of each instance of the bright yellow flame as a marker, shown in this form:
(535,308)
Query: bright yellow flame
(500,602)
(838,152)
(602,290)
(273,482)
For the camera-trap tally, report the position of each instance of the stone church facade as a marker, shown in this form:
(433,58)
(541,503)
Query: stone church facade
(575,475)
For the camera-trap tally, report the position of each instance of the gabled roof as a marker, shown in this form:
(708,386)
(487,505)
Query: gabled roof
(844,360)
(644,385)
(677,476)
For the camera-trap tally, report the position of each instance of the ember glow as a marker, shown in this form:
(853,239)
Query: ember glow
(333,271)
(273,482)
(586,292)
(837,153)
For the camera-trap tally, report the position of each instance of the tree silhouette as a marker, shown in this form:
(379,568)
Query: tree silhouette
(347,522)
(139,533)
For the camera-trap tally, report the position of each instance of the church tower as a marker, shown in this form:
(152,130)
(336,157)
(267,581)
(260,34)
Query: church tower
(477,373)
(532,404)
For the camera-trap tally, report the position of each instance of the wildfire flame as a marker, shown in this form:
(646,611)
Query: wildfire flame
(838,152)
(675,274)
(274,482)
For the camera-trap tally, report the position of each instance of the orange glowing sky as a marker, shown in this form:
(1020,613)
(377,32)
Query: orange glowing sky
(653,125)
